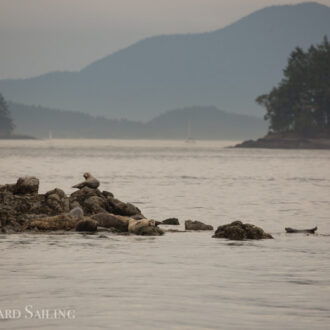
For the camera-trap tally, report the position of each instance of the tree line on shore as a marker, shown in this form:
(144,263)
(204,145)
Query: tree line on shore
(6,122)
(300,103)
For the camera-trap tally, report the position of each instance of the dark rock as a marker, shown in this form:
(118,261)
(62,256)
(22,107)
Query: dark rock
(196,225)
(86,225)
(79,197)
(92,201)
(27,185)
(9,188)
(56,202)
(107,194)
(171,221)
(95,204)
(116,206)
(239,231)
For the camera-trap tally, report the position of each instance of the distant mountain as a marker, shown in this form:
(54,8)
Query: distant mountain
(203,123)
(229,68)
(39,122)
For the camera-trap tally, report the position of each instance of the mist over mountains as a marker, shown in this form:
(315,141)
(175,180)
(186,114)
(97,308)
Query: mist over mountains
(203,123)
(227,68)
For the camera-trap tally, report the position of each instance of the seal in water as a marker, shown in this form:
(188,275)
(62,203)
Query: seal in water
(90,182)
(293,230)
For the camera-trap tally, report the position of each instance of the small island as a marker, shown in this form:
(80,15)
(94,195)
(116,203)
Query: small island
(287,141)
(7,126)
(298,109)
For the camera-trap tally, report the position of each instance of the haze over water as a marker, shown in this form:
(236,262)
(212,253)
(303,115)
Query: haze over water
(181,280)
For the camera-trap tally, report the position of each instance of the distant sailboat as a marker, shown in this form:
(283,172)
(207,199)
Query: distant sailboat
(50,135)
(189,138)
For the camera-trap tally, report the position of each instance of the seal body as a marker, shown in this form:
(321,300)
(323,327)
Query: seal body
(89,182)
(293,230)
(77,213)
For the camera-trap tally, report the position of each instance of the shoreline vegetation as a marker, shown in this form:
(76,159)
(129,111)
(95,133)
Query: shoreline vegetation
(287,141)
(298,108)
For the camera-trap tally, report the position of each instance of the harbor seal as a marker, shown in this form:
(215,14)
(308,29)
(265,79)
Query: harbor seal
(89,182)
(293,230)
(77,213)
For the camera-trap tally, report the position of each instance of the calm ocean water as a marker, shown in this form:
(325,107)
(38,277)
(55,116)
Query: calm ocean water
(180,280)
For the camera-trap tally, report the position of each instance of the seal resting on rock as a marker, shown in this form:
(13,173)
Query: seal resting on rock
(89,182)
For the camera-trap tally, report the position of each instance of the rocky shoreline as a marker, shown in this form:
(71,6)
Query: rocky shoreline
(286,141)
(23,209)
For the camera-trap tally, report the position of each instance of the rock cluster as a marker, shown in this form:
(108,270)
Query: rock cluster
(22,208)
(170,221)
(239,231)
(88,209)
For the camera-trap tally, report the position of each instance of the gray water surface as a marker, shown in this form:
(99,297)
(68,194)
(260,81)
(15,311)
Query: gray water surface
(180,280)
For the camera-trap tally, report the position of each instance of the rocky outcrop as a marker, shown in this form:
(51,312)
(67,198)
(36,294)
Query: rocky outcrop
(196,225)
(55,202)
(22,208)
(93,201)
(239,231)
(171,221)
(27,185)
(23,186)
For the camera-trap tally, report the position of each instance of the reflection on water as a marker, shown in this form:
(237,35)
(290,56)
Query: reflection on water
(180,280)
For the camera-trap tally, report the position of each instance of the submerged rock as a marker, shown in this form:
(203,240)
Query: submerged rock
(239,231)
(171,221)
(196,225)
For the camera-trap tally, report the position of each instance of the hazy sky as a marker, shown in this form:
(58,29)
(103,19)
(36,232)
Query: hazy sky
(39,36)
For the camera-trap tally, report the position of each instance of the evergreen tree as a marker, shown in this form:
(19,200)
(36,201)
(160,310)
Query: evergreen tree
(301,101)
(6,123)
